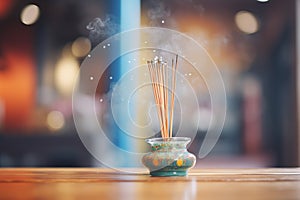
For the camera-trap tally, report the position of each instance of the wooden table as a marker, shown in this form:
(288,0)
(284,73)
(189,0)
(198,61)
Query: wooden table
(96,183)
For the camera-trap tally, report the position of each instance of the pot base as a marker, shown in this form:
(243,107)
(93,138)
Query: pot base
(160,173)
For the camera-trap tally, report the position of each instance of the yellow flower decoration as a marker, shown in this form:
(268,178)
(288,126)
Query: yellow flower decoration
(179,162)
(155,162)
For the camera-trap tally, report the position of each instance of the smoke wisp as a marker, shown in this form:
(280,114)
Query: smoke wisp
(100,29)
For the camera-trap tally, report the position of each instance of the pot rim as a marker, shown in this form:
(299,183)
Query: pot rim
(172,139)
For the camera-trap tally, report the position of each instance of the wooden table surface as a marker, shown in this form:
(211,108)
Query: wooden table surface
(97,183)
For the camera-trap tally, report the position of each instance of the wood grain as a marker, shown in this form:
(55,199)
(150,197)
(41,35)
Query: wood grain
(98,183)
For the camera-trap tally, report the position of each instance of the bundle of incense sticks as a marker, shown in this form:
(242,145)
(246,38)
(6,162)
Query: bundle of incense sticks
(159,75)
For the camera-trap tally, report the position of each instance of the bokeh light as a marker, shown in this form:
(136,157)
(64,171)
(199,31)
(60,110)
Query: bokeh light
(246,22)
(81,47)
(55,120)
(30,14)
(65,73)
(263,0)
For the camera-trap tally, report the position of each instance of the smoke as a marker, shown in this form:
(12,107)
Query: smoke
(101,29)
(158,12)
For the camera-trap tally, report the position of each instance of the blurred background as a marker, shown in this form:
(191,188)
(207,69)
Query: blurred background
(253,43)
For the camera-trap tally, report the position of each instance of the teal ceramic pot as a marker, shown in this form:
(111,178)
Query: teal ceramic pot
(169,157)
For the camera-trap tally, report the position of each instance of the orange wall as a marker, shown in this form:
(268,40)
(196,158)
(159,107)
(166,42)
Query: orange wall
(18,79)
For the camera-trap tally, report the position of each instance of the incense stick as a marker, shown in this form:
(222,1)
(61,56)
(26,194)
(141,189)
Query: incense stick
(155,90)
(159,76)
(174,69)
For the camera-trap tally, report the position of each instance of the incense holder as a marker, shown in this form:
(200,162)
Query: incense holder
(169,157)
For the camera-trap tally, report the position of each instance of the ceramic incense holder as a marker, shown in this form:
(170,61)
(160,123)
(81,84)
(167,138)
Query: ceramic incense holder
(169,157)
